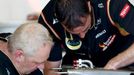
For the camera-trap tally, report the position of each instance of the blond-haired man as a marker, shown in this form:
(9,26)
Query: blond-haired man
(27,49)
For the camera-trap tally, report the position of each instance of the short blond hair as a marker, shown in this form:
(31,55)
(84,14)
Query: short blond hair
(29,37)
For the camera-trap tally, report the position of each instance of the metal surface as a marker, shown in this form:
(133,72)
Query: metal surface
(95,72)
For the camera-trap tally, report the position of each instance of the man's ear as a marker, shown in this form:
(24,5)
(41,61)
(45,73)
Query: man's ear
(19,55)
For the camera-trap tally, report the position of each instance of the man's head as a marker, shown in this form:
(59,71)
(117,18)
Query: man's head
(74,15)
(29,47)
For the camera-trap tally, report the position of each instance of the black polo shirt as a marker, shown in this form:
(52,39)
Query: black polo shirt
(6,66)
(102,42)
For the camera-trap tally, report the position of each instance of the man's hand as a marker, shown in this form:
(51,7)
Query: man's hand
(112,64)
(121,60)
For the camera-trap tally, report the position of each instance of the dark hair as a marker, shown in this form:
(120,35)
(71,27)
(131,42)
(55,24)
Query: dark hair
(69,12)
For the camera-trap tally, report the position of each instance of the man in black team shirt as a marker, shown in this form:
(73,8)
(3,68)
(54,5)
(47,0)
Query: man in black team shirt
(21,53)
(3,46)
(99,30)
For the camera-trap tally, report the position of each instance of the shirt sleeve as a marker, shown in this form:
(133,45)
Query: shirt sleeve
(122,12)
(56,53)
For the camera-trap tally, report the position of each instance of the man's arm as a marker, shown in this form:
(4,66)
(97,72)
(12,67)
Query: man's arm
(122,59)
(49,65)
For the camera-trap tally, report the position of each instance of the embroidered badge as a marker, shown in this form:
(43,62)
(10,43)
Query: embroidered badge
(106,44)
(100,5)
(55,21)
(125,10)
(101,33)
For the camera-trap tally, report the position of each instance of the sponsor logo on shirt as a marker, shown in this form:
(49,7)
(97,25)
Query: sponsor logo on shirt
(100,5)
(101,33)
(106,44)
(97,23)
(125,10)
(55,21)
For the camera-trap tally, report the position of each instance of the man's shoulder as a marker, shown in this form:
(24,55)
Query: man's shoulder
(47,15)
(6,66)
(47,19)
(122,13)
(2,66)
(3,70)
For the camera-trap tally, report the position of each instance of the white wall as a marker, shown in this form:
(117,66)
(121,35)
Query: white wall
(14,12)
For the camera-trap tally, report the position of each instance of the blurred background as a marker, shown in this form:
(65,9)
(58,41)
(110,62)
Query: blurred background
(15,12)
